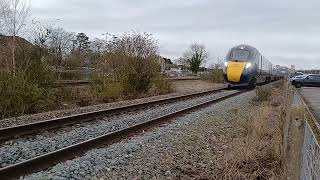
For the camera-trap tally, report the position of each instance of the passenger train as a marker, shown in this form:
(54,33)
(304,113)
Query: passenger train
(246,66)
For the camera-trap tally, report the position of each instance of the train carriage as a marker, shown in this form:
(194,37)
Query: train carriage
(246,66)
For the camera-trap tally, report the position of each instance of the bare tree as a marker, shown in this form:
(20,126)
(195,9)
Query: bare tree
(218,64)
(195,56)
(98,46)
(3,12)
(38,34)
(133,45)
(60,42)
(14,17)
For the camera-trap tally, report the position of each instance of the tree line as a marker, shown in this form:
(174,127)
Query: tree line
(126,66)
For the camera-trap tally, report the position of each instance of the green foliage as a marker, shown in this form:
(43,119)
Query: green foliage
(30,89)
(82,42)
(195,63)
(107,90)
(20,95)
(263,94)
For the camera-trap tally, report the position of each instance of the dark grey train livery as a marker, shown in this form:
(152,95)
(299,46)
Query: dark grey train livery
(246,66)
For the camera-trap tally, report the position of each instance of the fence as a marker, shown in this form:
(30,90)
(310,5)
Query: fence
(310,160)
(310,168)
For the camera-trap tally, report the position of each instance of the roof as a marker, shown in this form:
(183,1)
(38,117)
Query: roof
(245,47)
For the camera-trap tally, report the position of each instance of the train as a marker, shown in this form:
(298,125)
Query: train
(246,66)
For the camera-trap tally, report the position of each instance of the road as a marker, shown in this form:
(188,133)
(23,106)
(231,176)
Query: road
(312,96)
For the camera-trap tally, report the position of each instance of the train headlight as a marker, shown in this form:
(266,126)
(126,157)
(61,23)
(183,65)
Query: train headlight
(248,65)
(225,64)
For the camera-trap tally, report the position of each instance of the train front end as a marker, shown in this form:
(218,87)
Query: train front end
(239,67)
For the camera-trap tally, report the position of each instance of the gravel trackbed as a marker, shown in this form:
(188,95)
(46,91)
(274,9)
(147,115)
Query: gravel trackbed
(140,157)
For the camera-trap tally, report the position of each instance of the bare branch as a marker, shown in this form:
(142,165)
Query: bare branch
(15,15)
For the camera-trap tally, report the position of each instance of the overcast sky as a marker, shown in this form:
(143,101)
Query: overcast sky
(285,31)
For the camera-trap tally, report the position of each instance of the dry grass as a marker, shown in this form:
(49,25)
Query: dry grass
(215,76)
(257,155)
(243,143)
(263,94)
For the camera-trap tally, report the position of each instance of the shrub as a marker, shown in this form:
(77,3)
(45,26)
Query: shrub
(30,89)
(107,90)
(20,95)
(129,68)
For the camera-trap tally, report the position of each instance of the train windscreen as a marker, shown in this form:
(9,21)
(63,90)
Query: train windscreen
(240,55)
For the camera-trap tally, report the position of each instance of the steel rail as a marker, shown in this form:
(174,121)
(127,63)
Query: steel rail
(26,129)
(87,82)
(50,159)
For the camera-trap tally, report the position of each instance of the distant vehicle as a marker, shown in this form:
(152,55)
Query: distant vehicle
(311,80)
(297,77)
(297,74)
(246,66)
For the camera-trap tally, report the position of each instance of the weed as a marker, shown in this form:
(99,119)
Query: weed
(263,94)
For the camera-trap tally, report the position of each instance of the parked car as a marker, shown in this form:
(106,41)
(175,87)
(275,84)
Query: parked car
(297,77)
(312,80)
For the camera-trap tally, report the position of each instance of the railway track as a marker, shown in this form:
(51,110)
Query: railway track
(17,131)
(47,160)
(88,82)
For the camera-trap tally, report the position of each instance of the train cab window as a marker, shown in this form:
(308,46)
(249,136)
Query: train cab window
(240,55)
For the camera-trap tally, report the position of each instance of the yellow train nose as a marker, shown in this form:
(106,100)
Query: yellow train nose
(235,70)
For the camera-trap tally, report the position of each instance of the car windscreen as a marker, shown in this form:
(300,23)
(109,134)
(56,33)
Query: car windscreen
(240,55)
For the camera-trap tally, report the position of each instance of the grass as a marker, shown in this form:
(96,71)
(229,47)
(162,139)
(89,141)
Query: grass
(263,93)
(214,76)
(257,154)
(243,143)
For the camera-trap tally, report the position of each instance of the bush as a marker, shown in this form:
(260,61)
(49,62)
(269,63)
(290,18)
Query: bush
(106,90)
(20,95)
(129,68)
(263,94)
(30,89)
